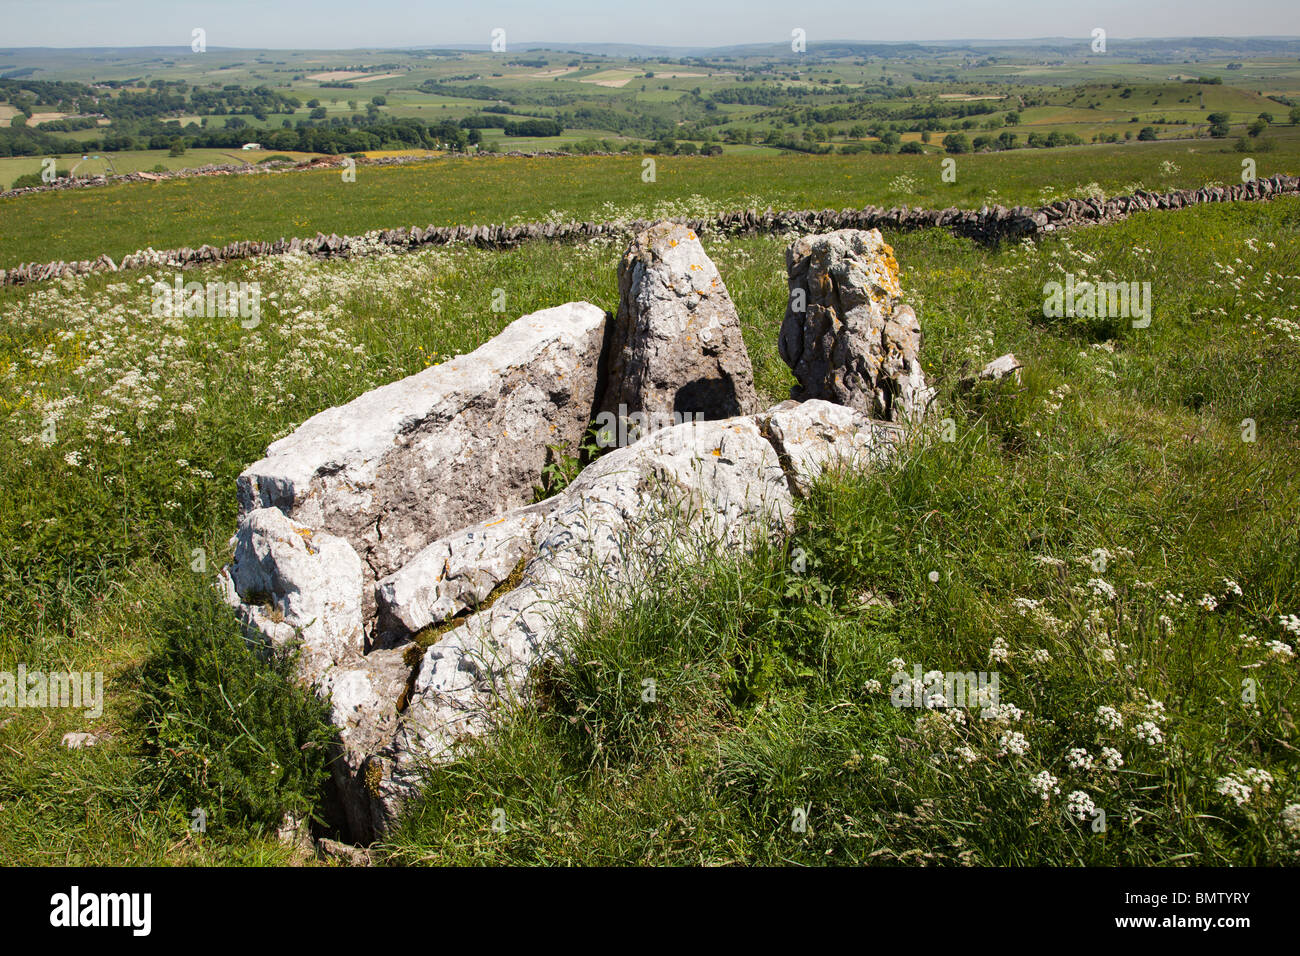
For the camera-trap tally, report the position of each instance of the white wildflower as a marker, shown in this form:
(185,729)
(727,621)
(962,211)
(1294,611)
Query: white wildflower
(1044,784)
(1110,718)
(1080,805)
(1149,733)
(1101,588)
(1014,742)
(1079,759)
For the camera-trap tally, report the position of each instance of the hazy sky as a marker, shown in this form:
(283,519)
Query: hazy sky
(341,24)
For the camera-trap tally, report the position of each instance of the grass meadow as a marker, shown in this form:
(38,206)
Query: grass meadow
(1117,536)
(83,223)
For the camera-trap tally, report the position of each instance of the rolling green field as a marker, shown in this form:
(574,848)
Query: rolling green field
(1116,533)
(839,97)
(191,212)
(770,683)
(134,161)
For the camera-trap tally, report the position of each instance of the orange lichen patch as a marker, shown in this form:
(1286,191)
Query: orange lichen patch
(717,453)
(891,266)
(492,523)
(672,242)
(689,234)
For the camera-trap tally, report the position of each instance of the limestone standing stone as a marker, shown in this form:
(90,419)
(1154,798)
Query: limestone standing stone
(676,346)
(847,335)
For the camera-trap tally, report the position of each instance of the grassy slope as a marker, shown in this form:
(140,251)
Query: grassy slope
(137,160)
(191,212)
(761,703)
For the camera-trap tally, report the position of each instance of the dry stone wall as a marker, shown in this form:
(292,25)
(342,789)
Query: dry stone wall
(988,224)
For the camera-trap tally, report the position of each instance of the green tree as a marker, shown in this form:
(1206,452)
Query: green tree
(956,143)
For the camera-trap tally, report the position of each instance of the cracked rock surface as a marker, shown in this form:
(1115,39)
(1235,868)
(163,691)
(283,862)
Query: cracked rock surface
(676,345)
(847,335)
(457,443)
(694,487)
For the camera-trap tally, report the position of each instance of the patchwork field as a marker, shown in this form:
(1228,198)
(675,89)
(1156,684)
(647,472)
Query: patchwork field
(450,191)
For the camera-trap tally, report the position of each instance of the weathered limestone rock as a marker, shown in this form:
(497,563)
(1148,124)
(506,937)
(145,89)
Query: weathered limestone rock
(698,485)
(437,451)
(693,488)
(1001,367)
(816,436)
(847,335)
(411,506)
(676,347)
(456,572)
(290,583)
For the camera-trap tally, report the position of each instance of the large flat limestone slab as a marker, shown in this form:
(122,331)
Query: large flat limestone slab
(442,449)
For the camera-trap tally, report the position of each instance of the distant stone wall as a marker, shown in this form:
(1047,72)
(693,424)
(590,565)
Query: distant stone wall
(988,224)
(248,169)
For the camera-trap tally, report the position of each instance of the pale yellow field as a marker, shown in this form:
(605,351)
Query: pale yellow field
(386,153)
(612,78)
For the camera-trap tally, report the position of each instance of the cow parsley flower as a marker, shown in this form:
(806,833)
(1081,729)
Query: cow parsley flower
(1208,602)
(1234,789)
(1281,649)
(1080,805)
(1261,780)
(1044,784)
(1291,820)
(1001,712)
(1149,733)
(1110,718)
(1014,742)
(1101,588)
(1079,759)
(1112,758)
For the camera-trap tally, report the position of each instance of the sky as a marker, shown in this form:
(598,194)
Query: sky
(345,24)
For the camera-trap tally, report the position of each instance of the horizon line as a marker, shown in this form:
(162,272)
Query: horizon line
(479,46)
